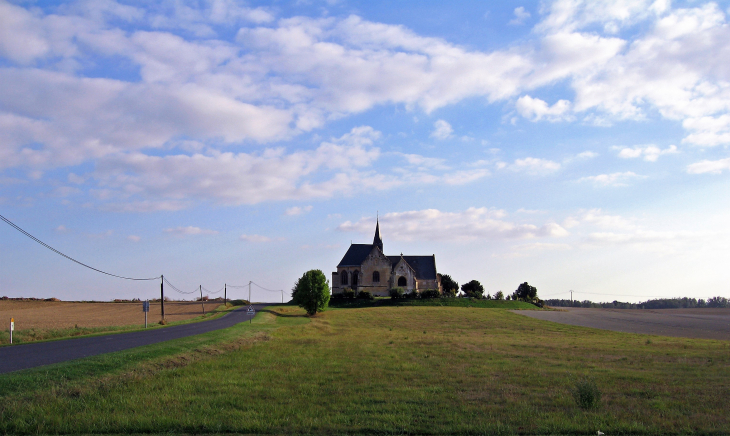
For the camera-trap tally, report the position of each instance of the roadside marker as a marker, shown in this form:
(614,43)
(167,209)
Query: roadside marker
(145,309)
(12,327)
(251,311)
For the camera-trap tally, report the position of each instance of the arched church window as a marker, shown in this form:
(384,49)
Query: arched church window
(355,277)
(376,277)
(343,277)
(402,281)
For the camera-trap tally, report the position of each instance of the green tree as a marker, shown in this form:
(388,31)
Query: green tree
(525,292)
(499,295)
(449,286)
(312,292)
(473,289)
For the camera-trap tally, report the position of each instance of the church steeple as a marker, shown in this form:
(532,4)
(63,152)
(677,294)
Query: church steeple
(377,240)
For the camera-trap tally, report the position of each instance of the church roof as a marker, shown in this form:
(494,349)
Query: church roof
(356,254)
(424,266)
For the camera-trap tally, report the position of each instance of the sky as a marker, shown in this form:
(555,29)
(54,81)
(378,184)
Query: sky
(575,145)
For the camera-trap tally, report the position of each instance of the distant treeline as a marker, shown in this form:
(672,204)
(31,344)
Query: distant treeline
(660,303)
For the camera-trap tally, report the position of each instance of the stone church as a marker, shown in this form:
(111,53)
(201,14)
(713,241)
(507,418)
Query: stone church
(365,268)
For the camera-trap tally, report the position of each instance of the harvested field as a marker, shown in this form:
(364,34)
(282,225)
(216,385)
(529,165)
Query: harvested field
(47,315)
(683,323)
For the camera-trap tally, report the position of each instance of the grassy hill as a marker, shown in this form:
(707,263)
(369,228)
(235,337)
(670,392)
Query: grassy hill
(433,302)
(383,370)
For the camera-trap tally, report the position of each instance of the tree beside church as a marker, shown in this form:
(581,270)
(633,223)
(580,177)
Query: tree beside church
(365,267)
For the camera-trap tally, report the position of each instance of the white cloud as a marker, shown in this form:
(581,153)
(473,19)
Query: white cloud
(61,229)
(296,210)
(650,152)
(520,16)
(709,166)
(134,238)
(190,230)
(613,179)
(587,155)
(442,130)
(531,165)
(535,109)
(425,162)
(600,219)
(471,224)
(258,238)
(241,178)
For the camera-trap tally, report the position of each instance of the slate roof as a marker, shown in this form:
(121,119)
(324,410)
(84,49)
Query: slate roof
(424,266)
(356,254)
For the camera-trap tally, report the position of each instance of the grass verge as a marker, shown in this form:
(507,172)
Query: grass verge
(395,369)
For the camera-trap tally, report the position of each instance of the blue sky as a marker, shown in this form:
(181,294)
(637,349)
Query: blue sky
(574,145)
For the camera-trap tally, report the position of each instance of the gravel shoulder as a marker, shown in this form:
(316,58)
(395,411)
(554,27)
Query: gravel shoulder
(684,323)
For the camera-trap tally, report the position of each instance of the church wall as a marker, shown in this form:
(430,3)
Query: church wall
(376,261)
(402,269)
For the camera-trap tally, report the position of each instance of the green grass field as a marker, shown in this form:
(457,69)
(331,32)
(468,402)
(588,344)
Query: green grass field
(383,370)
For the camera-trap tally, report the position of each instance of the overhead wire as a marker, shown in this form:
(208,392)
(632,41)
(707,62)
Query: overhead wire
(69,257)
(178,290)
(270,290)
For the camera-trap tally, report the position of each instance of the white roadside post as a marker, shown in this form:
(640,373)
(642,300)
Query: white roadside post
(12,327)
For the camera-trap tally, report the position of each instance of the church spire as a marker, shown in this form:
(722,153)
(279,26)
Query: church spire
(377,240)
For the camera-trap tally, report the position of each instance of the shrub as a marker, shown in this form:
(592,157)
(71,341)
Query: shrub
(348,293)
(312,292)
(586,393)
(412,294)
(430,293)
(239,302)
(365,295)
(397,293)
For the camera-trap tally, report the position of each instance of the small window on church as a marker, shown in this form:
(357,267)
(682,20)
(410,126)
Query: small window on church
(376,277)
(343,277)
(402,281)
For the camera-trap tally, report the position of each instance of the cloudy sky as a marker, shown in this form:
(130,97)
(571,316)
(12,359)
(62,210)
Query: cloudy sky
(576,145)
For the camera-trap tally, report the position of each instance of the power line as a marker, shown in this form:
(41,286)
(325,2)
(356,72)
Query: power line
(178,290)
(210,292)
(69,257)
(270,290)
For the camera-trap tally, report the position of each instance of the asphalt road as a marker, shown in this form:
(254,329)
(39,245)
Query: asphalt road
(23,356)
(684,323)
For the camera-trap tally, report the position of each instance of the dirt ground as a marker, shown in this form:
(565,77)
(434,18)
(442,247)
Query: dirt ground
(46,315)
(685,323)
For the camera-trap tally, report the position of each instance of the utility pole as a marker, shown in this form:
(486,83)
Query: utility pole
(225,297)
(249,292)
(571,296)
(282,296)
(162,295)
(201,298)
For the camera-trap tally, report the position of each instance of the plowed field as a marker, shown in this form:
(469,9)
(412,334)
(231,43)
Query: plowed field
(46,315)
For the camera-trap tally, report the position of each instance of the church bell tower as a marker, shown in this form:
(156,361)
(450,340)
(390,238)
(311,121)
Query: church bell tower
(377,240)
